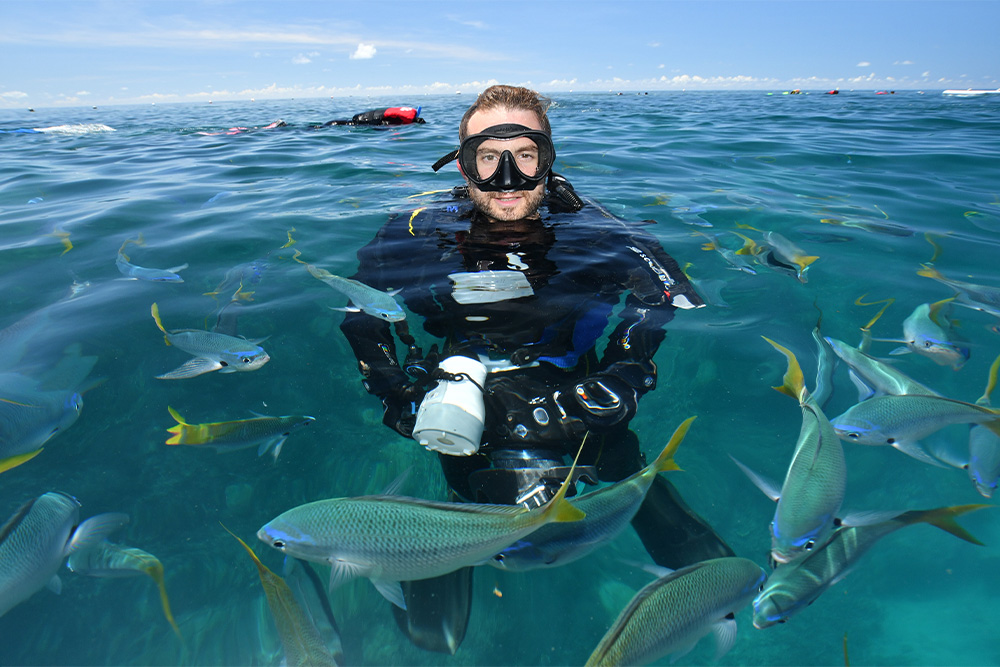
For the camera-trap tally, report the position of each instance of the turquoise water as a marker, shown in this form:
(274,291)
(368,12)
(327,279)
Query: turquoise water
(911,178)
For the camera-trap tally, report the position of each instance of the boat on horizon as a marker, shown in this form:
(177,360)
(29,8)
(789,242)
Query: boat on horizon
(970,92)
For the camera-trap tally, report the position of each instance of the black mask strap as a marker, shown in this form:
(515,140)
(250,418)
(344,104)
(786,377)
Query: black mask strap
(445,160)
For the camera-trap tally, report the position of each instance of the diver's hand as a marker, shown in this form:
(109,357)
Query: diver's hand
(598,401)
(401,409)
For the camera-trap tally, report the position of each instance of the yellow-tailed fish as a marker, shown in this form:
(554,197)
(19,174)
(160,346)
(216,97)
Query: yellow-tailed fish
(984,445)
(901,421)
(364,298)
(389,539)
(815,483)
(302,642)
(111,560)
(38,537)
(608,511)
(735,258)
(212,351)
(788,252)
(133,272)
(978,297)
(268,433)
(925,332)
(825,361)
(671,614)
(793,587)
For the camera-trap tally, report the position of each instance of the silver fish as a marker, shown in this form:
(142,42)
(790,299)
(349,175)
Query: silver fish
(268,433)
(364,298)
(110,560)
(788,253)
(984,445)
(671,614)
(970,295)
(608,511)
(212,351)
(389,539)
(39,537)
(924,335)
(793,587)
(815,483)
(879,378)
(901,421)
(134,272)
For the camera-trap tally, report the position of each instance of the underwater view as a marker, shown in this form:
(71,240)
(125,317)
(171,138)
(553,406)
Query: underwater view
(858,234)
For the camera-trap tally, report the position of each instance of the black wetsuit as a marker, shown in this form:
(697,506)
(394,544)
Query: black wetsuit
(588,271)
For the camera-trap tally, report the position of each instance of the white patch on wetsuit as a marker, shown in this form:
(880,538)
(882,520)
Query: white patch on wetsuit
(489,286)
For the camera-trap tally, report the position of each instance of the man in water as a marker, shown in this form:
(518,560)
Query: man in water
(522,275)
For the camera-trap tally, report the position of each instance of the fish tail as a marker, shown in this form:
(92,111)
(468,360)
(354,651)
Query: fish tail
(794,384)
(944,518)
(14,461)
(937,248)
(928,271)
(155,310)
(805,260)
(155,572)
(559,509)
(180,431)
(665,461)
(888,302)
(991,382)
(291,241)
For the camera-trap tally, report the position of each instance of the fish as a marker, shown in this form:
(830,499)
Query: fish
(825,363)
(39,537)
(133,272)
(815,483)
(735,258)
(363,298)
(269,433)
(789,253)
(901,421)
(670,615)
(389,538)
(111,560)
(876,378)
(608,511)
(978,297)
(212,351)
(984,445)
(924,334)
(301,640)
(794,586)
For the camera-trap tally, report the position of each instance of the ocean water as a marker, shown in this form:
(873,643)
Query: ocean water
(874,186)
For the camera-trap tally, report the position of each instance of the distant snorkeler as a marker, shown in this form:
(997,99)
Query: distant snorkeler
(381,117)
(244,130)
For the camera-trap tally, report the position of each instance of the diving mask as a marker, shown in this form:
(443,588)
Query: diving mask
(504,157)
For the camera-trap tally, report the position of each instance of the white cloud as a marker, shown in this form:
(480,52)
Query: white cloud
(363,52)
(903,62)
(304,58)
(479,25)
(82,93)
(864,63)
(654,44)
(14,95)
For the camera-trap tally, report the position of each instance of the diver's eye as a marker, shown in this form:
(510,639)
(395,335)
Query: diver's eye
(278,544)
(246,360)
(809,545)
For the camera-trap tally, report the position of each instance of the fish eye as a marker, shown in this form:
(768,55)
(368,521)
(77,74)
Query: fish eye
(809,545)
(246,360)
(278,544)
(891,441)
(499,558)
(853,436)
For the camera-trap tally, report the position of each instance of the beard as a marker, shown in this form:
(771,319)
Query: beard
(525,207)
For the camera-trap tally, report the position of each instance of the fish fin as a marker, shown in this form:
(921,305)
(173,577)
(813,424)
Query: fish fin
(155,572)
(935,311)
(342,571)
(175,269)
(155,310)
(944,518)
(55,584)
(794,382)
(867,518)
(346,309)
(770,489)
(391,591)
(725,636)
(991,383)
(928,271)
(864,391)
(993,426)
(95,530)
(899,350)
(393,488)
(559,509)
(274,443)
(657,571)
(176,415)
(665,461)
(14,461)
(193,368)
(916,451)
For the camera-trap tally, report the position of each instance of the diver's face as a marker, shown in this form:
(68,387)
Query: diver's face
(515,204)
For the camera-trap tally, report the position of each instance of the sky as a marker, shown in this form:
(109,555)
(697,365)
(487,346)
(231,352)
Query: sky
(101,52)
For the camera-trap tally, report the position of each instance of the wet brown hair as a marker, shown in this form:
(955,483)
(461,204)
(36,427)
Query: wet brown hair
(508,97)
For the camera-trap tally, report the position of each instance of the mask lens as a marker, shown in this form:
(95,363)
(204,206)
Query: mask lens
(507,157)
(523,152)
